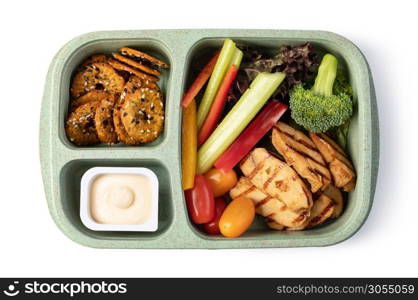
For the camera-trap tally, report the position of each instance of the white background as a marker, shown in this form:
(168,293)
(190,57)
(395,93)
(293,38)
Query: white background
(33,31)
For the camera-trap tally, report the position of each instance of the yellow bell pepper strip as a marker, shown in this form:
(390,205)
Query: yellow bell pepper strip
(189,145)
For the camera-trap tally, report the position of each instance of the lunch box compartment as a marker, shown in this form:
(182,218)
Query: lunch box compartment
(63,163)
(204,49)
(107,46)
(70,179)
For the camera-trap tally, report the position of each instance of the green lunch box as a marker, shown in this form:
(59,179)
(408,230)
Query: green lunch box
(63,164)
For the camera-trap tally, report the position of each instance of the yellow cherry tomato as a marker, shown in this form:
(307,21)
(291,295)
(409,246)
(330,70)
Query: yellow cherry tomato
(237,217)
(220,181)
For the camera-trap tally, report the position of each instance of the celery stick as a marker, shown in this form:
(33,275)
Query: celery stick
(236,58)
(215,80)
(254,98)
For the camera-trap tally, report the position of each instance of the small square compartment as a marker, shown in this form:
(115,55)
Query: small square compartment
(106,46)
(87,183)
(70,191)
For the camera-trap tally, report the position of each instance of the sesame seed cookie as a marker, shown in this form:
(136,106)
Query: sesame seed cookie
(80,126)
(93,95)
(142,114)
(122,67)
(120,130)
(97,76)
(141,57)
(134,83)
(99,58)
(136,64)
(104,120)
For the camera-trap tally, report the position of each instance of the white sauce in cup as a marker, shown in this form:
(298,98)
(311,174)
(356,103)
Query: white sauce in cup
(121,199)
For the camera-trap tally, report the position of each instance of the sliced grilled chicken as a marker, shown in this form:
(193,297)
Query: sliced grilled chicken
(322,209)
(267,206)
(336,196)
(297,135)
(342,170)
(301,153)
(276,226)
(350,185)
(277,179)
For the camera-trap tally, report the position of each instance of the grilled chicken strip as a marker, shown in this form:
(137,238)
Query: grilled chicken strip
(336,196)
(322,209)
(301,153)
(267,206)
(276,226)
(342,170)
(277,179)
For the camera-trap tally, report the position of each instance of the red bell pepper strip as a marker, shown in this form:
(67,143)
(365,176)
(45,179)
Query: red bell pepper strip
(217,106)
(251,135)
(200,81)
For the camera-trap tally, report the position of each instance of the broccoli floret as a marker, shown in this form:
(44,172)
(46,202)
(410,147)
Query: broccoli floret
(340,133)
(317,109)
(341,85)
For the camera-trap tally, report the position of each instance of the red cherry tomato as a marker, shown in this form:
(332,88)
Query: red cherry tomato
(213,226)
(200,201)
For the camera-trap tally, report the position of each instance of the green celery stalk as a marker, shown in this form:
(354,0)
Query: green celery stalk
(236,58)
(215,80)
(250,103)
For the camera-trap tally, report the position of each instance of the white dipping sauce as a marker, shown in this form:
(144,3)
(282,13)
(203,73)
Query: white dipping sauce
(121,199)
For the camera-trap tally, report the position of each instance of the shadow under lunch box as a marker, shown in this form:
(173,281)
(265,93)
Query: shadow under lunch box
(63,164)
